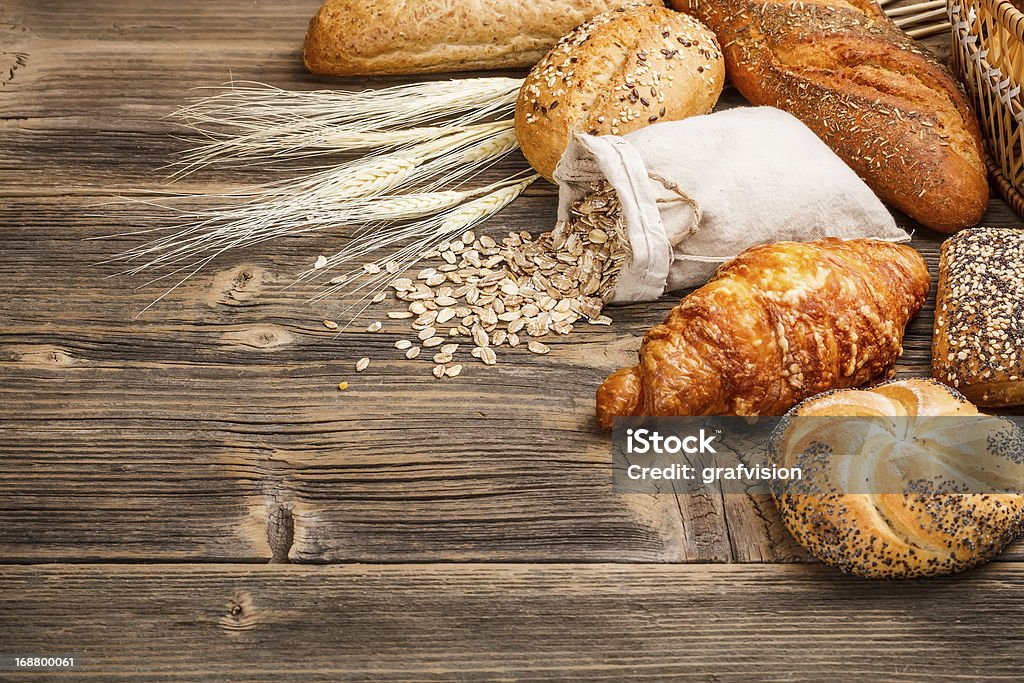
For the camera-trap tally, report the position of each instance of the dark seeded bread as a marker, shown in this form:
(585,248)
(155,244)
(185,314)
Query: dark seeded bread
(978,346)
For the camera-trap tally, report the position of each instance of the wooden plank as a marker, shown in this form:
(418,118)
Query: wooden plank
(198,430)
(174,436)
(212,423)
(521,622)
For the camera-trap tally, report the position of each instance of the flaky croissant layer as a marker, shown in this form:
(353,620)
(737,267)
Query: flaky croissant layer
(777,324)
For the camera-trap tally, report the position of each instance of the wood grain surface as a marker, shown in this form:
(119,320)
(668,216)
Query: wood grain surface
(516,622)
(208,431)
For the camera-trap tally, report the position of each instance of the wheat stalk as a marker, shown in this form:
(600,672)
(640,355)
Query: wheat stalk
(473,213)
(346,195)
(256,121)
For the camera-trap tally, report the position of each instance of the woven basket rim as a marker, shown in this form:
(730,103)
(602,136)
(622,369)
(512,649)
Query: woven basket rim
(1005,188)
(995,78)
(1008,16)
(1005,12)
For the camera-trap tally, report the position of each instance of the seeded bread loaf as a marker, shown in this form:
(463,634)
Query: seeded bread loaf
(881,101)
(978,347)
(894,524)
(620,71)
(357,38)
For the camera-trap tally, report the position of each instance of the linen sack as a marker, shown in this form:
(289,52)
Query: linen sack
(697,192)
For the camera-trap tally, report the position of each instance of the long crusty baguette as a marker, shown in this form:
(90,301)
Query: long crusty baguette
(882,102)
(355,37)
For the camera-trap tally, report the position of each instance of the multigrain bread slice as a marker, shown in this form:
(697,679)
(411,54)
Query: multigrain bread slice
(978,345)
(880,100)
(621,71)
(359,38)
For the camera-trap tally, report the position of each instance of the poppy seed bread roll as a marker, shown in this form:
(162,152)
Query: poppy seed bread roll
(620,71)
(908,436)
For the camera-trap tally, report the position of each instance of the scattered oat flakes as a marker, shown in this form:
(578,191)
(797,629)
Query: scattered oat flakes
(518,290)
(330,324)
(362,364)
(537,347)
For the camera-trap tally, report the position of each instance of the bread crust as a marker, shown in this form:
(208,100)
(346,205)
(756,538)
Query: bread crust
(978,341)
(883,103)
(776,325)
(358,38)
(619,72)
(887,534)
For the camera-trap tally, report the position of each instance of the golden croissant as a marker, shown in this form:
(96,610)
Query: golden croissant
(777,324)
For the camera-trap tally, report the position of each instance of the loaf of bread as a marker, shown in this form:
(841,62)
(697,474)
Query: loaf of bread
(920,505)
(978,345)
(883,103)
(359,38)
(777,324)
(620,71)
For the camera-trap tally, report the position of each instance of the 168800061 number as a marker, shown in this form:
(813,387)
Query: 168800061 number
(41,662)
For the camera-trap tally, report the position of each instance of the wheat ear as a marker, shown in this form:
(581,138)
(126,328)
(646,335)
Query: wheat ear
(351,195)
(422,145)
(258,122)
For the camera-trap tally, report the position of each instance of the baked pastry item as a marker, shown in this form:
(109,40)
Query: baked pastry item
(907,433)
(777,324)
(620,71)
(884,104)
(359,38)
(978,345)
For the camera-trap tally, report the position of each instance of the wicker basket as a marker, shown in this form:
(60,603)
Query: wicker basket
(988,55)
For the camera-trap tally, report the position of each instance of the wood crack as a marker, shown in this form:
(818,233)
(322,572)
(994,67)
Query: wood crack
(10,62)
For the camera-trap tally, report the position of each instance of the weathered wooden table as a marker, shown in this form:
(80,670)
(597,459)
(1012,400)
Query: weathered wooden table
(186,495)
